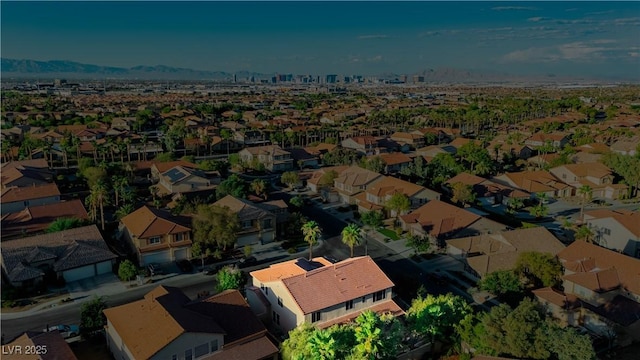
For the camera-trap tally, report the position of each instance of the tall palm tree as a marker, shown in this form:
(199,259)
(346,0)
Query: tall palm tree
(351,236)
(586,192)
(322,345)
(98,199)
(311,232)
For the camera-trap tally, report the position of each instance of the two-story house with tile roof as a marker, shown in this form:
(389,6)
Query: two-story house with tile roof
(166,324)
(486,253)
(378,194)
(257,224)
(536,182)
(353,180)
(71,255)
(36,219)
(16,199)
(25,173)
(271,156)
(367,145)
(557,140)
(487,192)
(319,292)
(394,162)
(601,292)
(156,236)
(440,221)
(617,230)
(416,141)
(595,175)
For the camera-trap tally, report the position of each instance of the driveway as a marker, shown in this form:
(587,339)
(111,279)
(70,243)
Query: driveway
(102,285)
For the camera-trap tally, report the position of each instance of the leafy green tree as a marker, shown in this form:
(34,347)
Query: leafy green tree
(92,318)
(420,244)
(442,168)
(233,185)
(372,219)
(297,201)
(229,277)
(327,179)
(567,344)
(259,187)
(322,345)
(539,210)
(215,225)
(127,270)
(627,166)
(584,233)
(290,178)
(397,204)
(374,163)
(436,316)
(352,236)
(462,193)
(165,157)
(199,249)
(61,224)
(501,282)
(311,231)
(295,346)
(542,268)
(94,175)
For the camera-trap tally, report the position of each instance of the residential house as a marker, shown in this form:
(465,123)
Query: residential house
(257,225)
(536,182)
(316,182)
(626,146)
(595,175)
(73,254)
(429,152)
(158,168)
(440,221)
(366,145)
(25,173)
(416,141)
(487,192)
(35,345)
(251,138)
(271,156)
(179,180)
(36,219)
(378,194)
(156,236)
(557,140)
(16,199)
(304,159)
(354,180)
(394,162)
(319,292)
(166,324)
(601,292)
(487,253)
(617,230)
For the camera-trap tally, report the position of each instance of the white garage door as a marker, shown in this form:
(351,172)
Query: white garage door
(79,273)
(159,257)
(180,254)
(104,267)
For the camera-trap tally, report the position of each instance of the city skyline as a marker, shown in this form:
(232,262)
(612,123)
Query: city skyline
(599,39)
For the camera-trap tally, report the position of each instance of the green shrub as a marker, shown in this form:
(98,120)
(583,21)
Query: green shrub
(292,250)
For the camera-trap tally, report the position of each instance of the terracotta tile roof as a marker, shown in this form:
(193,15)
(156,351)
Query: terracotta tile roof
(620,310)
(536,181)
(146,222)
(394,158)
(37,170)
(317,175)
(70,248)
(542,137)
(385,307)
(357,176)
(558,298)
(581,256)
(337,283)
(146,326)
(439,218)
(56,347)
(599,281)
(587,169)
(13,194)
(38,218)
(245,209)
(466,178)
(165,166)
(629,219)
(285,270)
(458,142)
(274,150)
(260,348)
(389,185)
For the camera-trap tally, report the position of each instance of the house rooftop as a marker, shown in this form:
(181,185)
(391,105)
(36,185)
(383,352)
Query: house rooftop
(38,218)
(439,218)
(14,194)
(629,219)
(288,269)
(147,222)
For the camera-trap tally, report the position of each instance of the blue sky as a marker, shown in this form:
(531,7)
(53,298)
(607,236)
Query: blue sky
(575,38)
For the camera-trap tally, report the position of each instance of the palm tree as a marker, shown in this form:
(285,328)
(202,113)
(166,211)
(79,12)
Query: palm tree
(259,187)
(120,183)
(368,335)
(98,198)
(587,192)
(322,345)
(226,134)
(584,233)
(352,236)
(311,232)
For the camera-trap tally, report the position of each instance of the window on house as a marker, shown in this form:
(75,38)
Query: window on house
(379,295)
(267,224)
(214,345)
(154,240)
(280,301)
(277,319)
(188,354)
(315,316)
(606,231)
(201,350)
(349,305)
(26,203)
(179,237)
(246,224)
(364,299)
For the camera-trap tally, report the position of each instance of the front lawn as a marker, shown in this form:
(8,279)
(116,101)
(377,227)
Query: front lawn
(389,233)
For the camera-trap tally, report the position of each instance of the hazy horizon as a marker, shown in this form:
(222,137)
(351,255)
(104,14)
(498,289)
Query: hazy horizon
(562,38)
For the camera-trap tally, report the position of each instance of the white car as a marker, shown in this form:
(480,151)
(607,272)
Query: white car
(67,331)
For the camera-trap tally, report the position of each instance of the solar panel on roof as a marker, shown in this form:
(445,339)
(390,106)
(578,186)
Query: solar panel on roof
(308,265)
(175,175)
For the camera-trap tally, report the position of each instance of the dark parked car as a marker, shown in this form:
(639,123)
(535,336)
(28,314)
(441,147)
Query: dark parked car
(251,260)
(155,269)
(184,266)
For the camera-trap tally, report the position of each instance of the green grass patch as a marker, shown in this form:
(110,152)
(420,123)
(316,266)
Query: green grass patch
(389,233)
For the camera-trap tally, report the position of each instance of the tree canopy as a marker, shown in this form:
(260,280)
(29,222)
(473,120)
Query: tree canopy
(229,277)
(311,231)
(92,319)
(290,178)
(127,270)
(233,186)
(352,236)
(543,269)
(215,225)
(436,316)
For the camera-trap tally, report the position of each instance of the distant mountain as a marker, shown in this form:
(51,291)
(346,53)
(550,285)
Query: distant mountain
(71,69)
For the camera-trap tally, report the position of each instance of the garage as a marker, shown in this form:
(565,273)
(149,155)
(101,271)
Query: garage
(181,254)
(80,273)
(159,257)
(104,267)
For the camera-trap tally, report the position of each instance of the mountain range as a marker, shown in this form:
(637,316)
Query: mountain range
(25,68)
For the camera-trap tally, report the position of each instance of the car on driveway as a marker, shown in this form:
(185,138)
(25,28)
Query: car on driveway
(67,331)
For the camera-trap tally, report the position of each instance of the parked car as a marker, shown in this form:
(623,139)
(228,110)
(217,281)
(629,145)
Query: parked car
(67,331)
(155,269)
(248,261)
(184,265)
